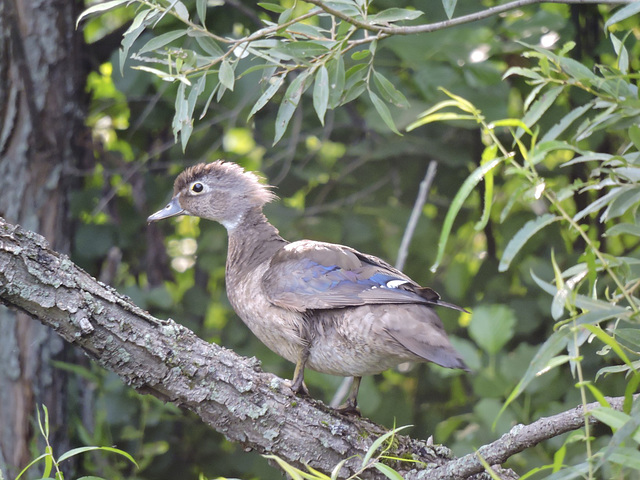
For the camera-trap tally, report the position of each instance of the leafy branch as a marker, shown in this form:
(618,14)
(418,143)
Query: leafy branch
(452,22)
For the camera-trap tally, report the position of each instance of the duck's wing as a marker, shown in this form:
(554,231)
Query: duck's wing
(309,275)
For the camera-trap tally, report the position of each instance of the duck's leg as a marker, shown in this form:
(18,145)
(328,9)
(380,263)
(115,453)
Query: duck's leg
(351,405)
(297,385)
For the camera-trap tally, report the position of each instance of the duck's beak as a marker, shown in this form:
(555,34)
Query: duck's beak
(172,209)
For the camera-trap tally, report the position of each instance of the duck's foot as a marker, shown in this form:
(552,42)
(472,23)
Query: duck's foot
(300,390)
(349,409)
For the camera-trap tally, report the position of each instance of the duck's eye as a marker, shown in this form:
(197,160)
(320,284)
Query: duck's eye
(197,187)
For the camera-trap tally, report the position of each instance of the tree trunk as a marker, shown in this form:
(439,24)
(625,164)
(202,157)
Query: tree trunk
(42,107)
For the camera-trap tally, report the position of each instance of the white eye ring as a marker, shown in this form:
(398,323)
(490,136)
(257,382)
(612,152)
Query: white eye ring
(197,188)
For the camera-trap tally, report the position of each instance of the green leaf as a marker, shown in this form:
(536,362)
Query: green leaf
(623,54)
(384,112)
(32,463)
(272,7)
(227,75)
(462,194)
(541,362)
(439,117)
(523,72)
(389,91)
(378,443)
(335,69)
(100,8)
(626,457)
(634,135)
(488,154)
(361,55)
(336,470)
(394,14)
(274,85)
(605,338)
(161,40)
(289,104)
(522,237)
(77,451)
(131,35)
(492,326)
(610,417)
(539,107)
(597,394)
(321,93)
(210,46)
(623,14)
(449,7)
(293,472)
(181,10)
(201,8)
(564,123)
(599,203)
(48,461)
(387,471)
(623,228)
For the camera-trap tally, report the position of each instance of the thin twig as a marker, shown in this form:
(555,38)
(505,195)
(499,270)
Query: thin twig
(518,439)
(421,199)
(472,17)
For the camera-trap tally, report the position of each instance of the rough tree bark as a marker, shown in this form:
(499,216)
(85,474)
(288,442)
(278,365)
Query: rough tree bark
(228,392)
(41,114)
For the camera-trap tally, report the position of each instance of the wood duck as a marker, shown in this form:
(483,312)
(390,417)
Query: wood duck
(320,305)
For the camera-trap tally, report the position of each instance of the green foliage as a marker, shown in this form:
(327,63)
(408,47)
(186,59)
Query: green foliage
(607,280)
(531,222)
(379,452)
(52,463)
(302,46)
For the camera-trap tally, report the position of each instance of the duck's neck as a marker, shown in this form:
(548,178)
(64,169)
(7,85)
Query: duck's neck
(251,242)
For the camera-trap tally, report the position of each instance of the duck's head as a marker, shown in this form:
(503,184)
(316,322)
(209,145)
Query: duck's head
(220,191)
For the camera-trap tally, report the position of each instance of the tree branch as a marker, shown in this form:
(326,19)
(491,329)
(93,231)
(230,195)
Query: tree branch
(421,199)
(518,439)
(472,17)
(228,392)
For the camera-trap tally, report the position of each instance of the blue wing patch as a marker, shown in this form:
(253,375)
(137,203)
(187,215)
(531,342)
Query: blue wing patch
(309,275)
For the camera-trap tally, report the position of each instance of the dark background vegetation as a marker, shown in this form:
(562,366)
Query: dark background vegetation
(351,181)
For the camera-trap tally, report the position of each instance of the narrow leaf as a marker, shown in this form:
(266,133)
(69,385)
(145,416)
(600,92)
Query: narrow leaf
(161,40)
(522,237)
(388,472)
(99,8)
(384,112)
(539,107)
(227,75)
(321,93)
(210,46)
(201,8)
(335,68)
(623,14)
(378,443)
(394,14)
(542,359)
(564,123)
(272,7)
(464,191)
(274,86)
(389,91)
(488,154)
(289,104)
(449,7)
(605,338)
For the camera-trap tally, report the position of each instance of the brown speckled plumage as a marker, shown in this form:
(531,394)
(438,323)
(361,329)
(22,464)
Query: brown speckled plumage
(323,306)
